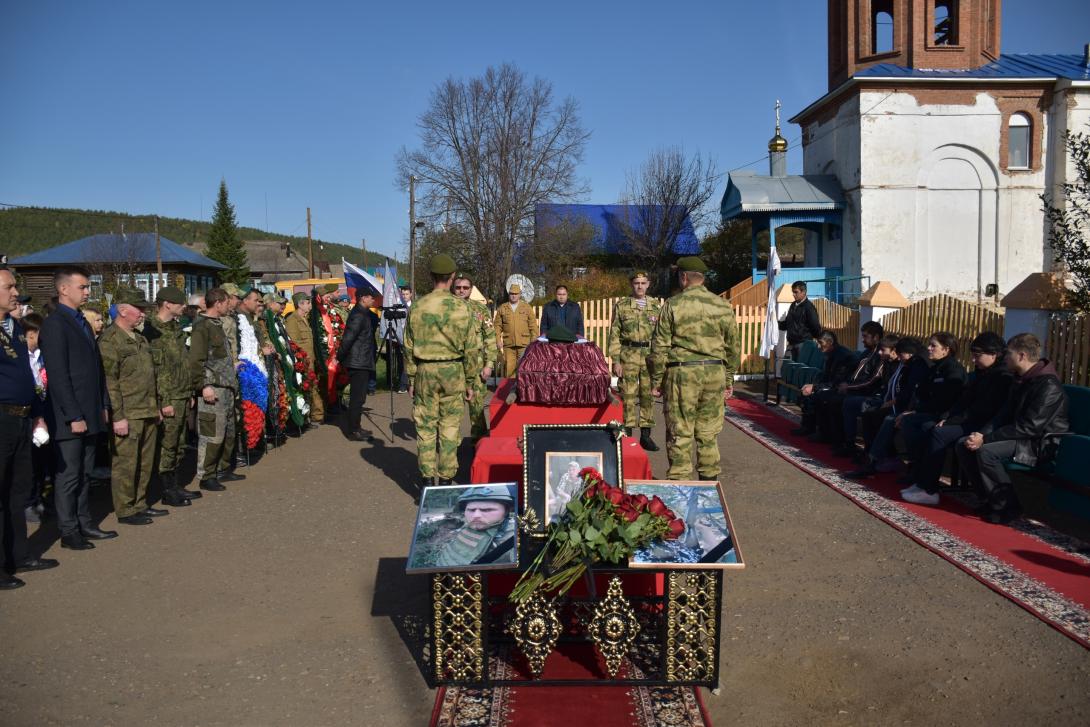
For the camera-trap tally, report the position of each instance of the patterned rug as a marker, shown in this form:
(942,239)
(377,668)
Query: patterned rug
(1043,571)
(548,706)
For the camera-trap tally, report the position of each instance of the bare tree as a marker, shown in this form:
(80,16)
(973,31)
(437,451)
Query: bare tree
(491,148)
(666,197)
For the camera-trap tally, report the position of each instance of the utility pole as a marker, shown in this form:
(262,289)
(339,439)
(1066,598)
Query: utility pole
(363,247)
(310,248)
(412,234)
(158,255)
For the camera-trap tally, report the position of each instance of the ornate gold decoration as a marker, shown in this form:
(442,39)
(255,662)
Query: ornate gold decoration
(535,628)
(458,609)
(614,626)
(529,523)
(691,610)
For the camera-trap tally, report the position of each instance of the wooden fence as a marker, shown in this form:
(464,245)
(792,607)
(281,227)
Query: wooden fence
(597,315)
(750,295)
(1068,347)
(943,313)
(840,319)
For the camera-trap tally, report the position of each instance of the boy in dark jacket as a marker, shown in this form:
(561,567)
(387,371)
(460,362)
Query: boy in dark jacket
(857,402)
(863,378)
(980,401)
(838,366)
(1036,411)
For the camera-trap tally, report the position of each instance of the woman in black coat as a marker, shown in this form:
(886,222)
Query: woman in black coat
(980,401)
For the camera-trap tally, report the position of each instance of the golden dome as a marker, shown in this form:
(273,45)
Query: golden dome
(777,143)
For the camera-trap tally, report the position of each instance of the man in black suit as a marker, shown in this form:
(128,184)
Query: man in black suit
(20,412)
(76,405)
(357,354)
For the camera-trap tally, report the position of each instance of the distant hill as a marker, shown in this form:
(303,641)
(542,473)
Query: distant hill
(24,230)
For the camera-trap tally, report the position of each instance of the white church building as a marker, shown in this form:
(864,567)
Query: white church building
(941,146)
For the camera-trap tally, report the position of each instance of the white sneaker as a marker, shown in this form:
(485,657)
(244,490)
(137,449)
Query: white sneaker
(912,489)
(921,498)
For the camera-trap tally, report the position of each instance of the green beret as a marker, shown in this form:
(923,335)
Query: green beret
(500,493)
(443,265)
(328,288)
(131,296)
(692,264)
(560,334)
(170,295)
(298,298)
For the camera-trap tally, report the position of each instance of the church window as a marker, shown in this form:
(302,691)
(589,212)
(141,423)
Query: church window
(946,22)
(1018,141)
(882,26)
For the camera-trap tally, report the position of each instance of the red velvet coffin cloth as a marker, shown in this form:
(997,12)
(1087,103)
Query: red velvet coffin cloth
(563,374)
(506,420)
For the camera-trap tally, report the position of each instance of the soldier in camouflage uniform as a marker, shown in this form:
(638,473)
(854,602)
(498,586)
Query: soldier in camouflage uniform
(212,377)
(229,321)
(488,535)
(629,346)
(166,338)
(130,381)
(694,355)
(442,350)
(298,327)
(478,427)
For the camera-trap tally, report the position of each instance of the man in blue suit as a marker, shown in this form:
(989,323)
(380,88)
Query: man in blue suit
(76,406)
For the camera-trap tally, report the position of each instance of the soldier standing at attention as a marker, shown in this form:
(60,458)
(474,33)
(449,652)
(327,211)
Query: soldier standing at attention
(212,377)
(298,327)
(693,359)
(130,380)
(515,326)
(629,346)
(441,358)
(463,286)
(166,338)
(228,462)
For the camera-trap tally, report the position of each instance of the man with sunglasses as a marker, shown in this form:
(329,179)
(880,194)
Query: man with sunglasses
(463,286)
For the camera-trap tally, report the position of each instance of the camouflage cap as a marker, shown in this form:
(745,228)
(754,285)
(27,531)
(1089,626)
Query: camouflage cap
(232,289)
(130,296)
(270,298)
(443,264)
(691,264)
(499,493)
(170,295)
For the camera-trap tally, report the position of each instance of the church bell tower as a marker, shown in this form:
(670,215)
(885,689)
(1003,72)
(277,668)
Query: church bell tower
(919,34)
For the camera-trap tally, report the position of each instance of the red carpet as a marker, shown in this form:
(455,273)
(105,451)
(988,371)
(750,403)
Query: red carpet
(1045,572)
(567,706)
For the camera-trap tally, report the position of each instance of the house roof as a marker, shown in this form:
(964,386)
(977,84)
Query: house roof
(269,258)
(138,247)
(611,222)
(1019,66)
(750,192)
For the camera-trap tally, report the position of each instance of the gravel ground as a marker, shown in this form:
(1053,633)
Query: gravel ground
(275,603)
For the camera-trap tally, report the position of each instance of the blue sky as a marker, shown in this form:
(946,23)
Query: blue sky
(142,106)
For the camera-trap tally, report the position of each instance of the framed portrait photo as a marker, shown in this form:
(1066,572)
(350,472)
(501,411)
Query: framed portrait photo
(708,540)
(465,528)
(553,455)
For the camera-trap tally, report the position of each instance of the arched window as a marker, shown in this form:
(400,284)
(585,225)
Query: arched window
(1018,141)
(882,26)
(946,22)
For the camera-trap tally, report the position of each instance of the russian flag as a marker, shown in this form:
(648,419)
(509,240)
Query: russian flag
(359,279)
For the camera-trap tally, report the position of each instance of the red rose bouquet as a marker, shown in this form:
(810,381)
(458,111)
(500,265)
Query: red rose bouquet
(603,524)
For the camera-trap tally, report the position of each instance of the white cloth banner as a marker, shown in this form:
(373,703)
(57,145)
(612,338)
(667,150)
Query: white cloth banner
(771,334)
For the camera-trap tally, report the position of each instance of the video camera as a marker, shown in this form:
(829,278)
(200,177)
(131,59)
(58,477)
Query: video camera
(395,312)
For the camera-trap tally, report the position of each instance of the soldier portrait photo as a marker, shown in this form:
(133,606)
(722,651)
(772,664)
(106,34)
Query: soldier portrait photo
(465,527)
(562,480)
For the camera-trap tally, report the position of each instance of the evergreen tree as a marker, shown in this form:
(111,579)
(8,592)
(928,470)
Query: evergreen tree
(224,242)
(1068,221)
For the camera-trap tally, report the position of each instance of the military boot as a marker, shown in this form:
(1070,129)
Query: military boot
(212,485)
(180,488)
(171,496)
(645,440)
(445,482)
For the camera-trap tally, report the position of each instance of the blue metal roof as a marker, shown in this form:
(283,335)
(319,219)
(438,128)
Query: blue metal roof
(138,247)
(1011,66)
(611,221)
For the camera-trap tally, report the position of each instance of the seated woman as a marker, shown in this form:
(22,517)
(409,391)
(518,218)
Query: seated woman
(937,393)
(878,424)
(980,402)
